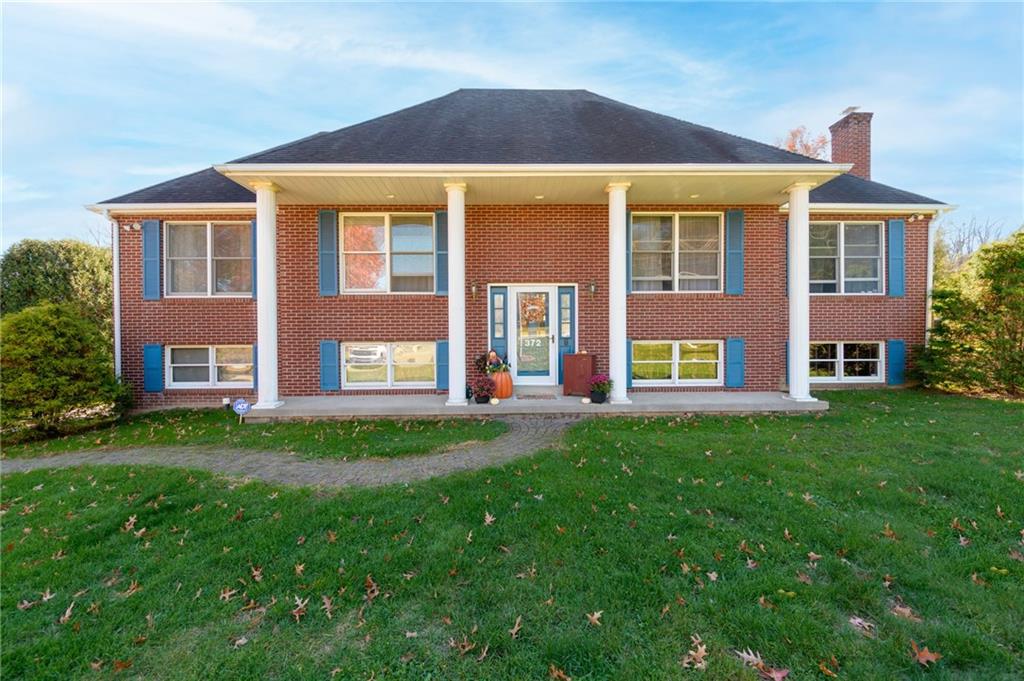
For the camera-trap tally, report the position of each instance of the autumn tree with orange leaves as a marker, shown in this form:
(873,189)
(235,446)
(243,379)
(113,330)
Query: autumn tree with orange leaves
(800,142)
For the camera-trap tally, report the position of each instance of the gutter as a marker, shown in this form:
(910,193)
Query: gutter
(170,208)
(116,253)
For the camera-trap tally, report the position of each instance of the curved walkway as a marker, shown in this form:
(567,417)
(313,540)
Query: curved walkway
(524,436)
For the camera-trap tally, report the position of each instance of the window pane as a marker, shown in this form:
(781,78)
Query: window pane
(657,371)
(190,374)
(190,356)
(652,351)
(234,373)
(186,276)
(422,284)
(652,233)
(366,354)
(232,241)
(186,241)
(860,351)
(652,265)
(414,362)
(698,232)
(862,240)
(698,284)
(365,271)
(412,233)
(698,265)
(861,268)
(695,351)
(824,239)
(823,369)
(366,363)
(231,355)
(691,371)
(860,369)
(652,285)
(232,276)
(823,268)
(824,351)
(823,288)
(363,233)
(862,287)
(412,264)
(369,373)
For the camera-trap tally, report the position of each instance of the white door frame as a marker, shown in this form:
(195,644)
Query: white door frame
(513,333)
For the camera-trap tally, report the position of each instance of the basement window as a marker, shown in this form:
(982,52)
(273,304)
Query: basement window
(846,362)
(216,366)
(389,365)
(677,363)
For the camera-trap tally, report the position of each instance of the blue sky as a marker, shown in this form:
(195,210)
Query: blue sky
(102,99)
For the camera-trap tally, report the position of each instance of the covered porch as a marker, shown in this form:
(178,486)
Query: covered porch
(534,403)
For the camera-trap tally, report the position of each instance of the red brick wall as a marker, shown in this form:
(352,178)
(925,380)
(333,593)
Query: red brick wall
(851,142)
(551,244)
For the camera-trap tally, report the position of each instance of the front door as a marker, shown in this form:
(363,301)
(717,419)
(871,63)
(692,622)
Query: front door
(534,352)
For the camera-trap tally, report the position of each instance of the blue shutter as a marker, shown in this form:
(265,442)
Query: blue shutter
(329,374)
(734,362)
(254,259)
(499,345)
(441,361)
(327,241)
(255,367)
(896,359)
(629,363)
(441,253)
(150,259)
(897,258)
(734,252)
(152,368)
(629,251)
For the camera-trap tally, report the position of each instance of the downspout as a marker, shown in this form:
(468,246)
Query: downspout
(116,245)
(931,275)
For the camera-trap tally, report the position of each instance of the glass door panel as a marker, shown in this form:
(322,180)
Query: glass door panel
(533,342)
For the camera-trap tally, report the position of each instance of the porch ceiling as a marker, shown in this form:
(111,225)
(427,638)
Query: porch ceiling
(679,185)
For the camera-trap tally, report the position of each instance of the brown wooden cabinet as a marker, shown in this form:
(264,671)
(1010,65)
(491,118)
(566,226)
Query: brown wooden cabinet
(576,373)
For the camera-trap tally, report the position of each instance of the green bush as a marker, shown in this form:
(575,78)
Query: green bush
(58,271)
(977,340)
(57,371)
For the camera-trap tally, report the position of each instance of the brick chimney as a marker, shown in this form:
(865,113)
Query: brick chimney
(851,142)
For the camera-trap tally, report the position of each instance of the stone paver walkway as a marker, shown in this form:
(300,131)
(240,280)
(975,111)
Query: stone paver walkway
(524,436)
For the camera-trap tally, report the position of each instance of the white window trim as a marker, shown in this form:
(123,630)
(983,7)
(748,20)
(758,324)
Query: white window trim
(210,293)
(390,384)
(387,253)
(841,359)
(211,365)
(675,251)
(675,380)
(841,265)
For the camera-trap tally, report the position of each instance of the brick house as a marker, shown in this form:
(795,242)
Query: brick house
(382,258)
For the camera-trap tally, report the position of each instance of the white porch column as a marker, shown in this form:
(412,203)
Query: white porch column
(456,294)
(266,295)
(617,361)
(799,293)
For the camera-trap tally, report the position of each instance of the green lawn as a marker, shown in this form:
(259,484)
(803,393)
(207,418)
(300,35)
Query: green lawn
(667,527)
(320,439)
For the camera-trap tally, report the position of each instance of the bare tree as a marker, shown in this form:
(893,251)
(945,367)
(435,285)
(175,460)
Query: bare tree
(956,242)
(799,141)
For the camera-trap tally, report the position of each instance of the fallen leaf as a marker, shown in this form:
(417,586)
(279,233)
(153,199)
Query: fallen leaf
(66,617)
(557,674)
(863,626)
(923,656)
(595,617)
(695,658)
(488,518)
(514,631)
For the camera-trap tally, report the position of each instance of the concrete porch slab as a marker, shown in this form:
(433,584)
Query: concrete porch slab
(433,406)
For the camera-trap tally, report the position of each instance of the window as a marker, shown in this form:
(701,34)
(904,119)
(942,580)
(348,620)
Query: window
(210,366)
(846,257)
(498,315)
(846,362)
(389,365)
(388,253)
(677,362)
(677,252)
(208,258)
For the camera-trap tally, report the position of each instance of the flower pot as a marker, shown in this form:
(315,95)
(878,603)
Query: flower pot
(596,397)
(481,399)
(503,381)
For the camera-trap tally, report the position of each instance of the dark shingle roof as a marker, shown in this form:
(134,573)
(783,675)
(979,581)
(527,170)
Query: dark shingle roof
(205,186)
(525,126)
(852,189)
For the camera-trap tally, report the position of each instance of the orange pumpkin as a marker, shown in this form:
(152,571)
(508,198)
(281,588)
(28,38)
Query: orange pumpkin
(503,383)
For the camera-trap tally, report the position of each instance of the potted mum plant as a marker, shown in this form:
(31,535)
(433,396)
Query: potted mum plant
(483,389)
(600,386)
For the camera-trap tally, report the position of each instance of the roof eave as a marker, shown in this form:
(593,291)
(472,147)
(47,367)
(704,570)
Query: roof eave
(170,208)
